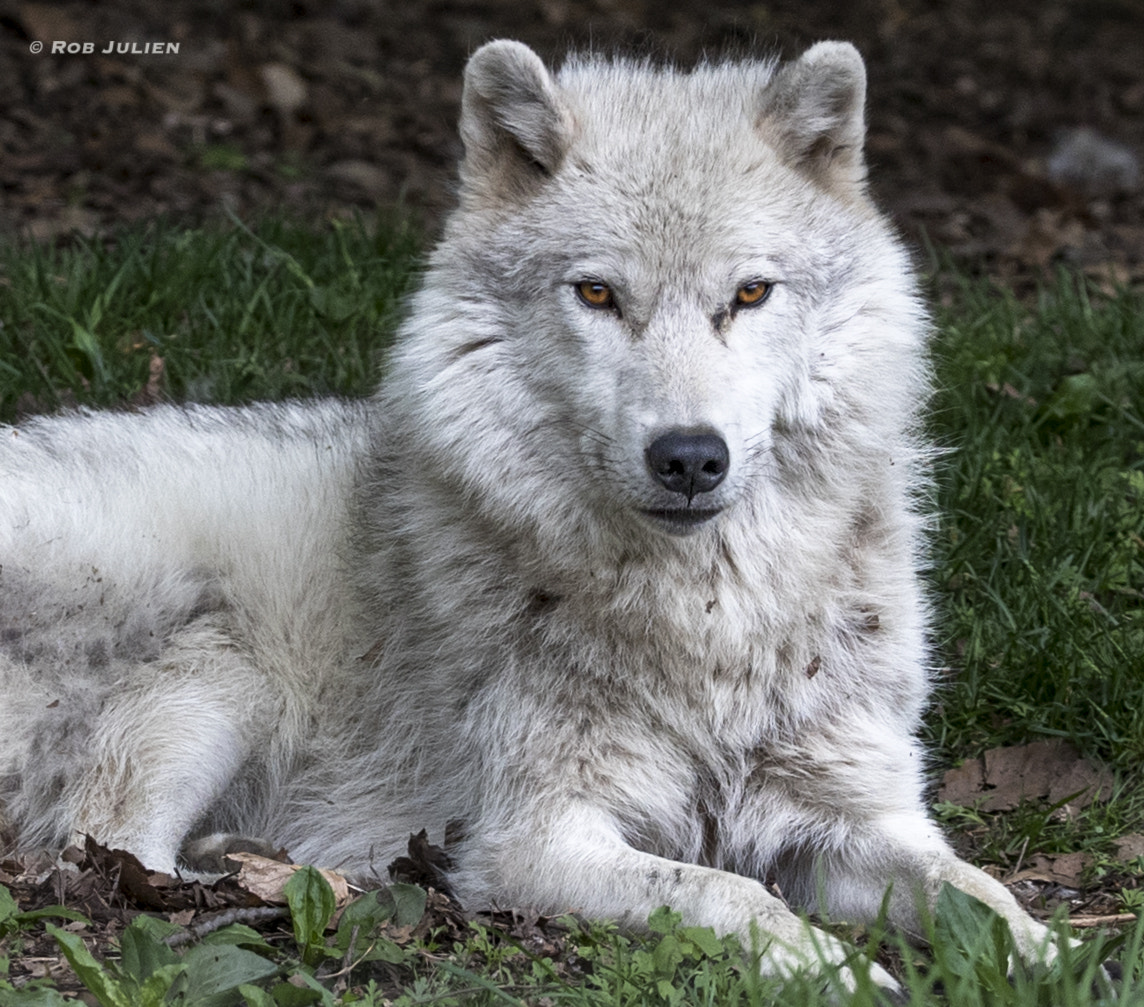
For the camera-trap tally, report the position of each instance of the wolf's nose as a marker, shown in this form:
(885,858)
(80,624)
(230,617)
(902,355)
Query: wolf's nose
(688,463)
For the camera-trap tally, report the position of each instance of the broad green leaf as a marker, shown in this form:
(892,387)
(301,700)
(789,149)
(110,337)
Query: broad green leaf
(962,919)
(143,948)
(1077,395)
(312,903)
(107,989)
(155,990)
(403,904)
(8,907)
(240,934)
(663,920)
(667,955)
(409,904)
(364,915)
(256,996)
(41,996)
(289,995)
(376,948)
(703,938)
(334,303)
(214,972)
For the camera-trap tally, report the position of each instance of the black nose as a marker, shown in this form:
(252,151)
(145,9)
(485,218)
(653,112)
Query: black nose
(688,463)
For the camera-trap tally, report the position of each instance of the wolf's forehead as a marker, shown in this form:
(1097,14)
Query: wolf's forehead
(672,158)
(656,115)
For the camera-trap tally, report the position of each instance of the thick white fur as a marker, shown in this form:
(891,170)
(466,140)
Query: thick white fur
(333,624)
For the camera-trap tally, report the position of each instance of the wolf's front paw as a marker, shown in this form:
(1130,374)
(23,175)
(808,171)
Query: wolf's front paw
(1109,980)
(825,956)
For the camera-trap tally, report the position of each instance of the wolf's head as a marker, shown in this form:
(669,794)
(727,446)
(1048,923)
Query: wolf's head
(665,303)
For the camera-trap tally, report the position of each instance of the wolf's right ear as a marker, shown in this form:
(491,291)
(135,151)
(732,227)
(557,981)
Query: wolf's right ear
(513,125)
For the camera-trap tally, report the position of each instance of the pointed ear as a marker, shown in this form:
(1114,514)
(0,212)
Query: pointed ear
(814,114)
(513,125)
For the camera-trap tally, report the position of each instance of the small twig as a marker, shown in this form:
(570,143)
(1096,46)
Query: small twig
(348,964)
(1119,919)
(347,961)
(250,914)
(1020,859)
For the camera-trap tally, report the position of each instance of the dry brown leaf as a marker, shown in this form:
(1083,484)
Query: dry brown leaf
(265,878)
(1051,770)
(1061,869)
(963,784)
(1129,847)
(1048,233)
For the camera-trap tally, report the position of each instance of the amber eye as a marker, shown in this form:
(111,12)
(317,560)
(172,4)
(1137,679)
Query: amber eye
(595,294)
(750,294)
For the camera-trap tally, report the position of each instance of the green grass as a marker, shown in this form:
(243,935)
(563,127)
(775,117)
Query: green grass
(1038,581)
(970,964)
(232,314)
(1040,548)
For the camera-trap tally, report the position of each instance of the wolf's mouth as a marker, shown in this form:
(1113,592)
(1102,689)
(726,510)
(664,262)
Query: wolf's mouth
(682,520)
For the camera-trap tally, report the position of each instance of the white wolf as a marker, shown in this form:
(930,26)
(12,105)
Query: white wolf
(616,576)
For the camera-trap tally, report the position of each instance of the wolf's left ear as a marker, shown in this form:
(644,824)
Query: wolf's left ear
(813,111)
(512,122)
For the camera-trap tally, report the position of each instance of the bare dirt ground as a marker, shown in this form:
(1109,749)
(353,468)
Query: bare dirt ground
(1010,133)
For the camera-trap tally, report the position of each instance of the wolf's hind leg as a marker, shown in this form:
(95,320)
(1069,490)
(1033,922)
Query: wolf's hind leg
(167,746)
(209,854)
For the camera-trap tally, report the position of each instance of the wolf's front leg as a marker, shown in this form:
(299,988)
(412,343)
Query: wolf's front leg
(907,857)
(582,864)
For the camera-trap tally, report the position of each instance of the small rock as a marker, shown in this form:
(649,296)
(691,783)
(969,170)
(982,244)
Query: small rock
(1093,164)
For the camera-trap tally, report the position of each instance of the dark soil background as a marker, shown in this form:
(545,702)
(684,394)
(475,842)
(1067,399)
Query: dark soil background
(1009,132)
